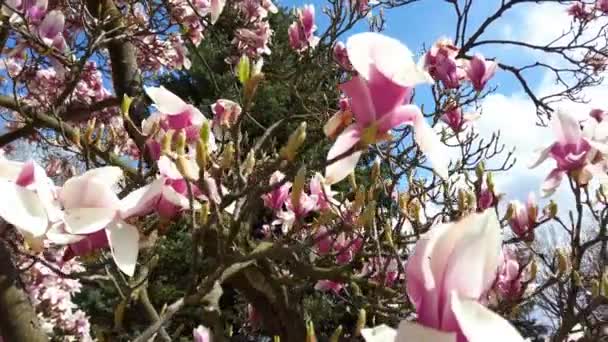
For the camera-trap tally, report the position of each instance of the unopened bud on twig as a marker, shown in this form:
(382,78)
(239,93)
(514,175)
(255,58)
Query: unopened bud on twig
(167,142)
(249,164)
(361,321)
(180,146)
(295,141)
(202,155)
(227,157)
(298,186)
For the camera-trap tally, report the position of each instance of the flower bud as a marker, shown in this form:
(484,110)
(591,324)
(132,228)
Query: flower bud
(249,164)
(359,199)
(227,157)
(490,182)
(578,281)
(532,270)
(388,235)
(551,209)
(295,141)
(185,168)
(562,262)
(479,170)
(361,321)
(88,133)
(335,337)
(604,283)
(204,214)
(125,104)
(509,215)
(180,146)
(202,155)
(595,287)
(205,131)
(462,200)
(244,69)
(356,289)
(298,186)
(167,142)
(368,215)
(375,173)
(310,332)
(76,137)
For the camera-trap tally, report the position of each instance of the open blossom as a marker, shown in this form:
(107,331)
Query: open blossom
(452,267)
(301,32)
(277,197)
(341,55)
(385,81)
(580,11)
(602,5)
(523,217)
(28,199)
(456,120)
(598,114)
(572,152)
(322,192)
(479,71)
(51,30)
(226,113)
(509,282)
(173,114)
(440,62)
(340,120)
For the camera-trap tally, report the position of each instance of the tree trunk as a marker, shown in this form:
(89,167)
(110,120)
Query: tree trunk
(18,320)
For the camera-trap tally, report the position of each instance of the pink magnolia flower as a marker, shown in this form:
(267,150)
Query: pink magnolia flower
(341,55)
(457,121)
(168,194)
(51,28)
(276,198)
(452,267)
(440,62)
(571,151)
(385,80)
(479,71)
(383,270)
(329,286)
(305,205)
(217,6)
(602,5)
(322,192)
(91,206)
(339,121)
(598,114)
(226,113)
(28,199)
(174,114)
(524,217)
(580,11)
(201,334)
(509,282)
(486,197)
(301,32)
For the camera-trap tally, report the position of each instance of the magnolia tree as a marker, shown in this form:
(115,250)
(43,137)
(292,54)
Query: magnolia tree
(354,197)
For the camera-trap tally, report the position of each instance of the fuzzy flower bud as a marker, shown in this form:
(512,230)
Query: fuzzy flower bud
(298,186)
(296,139)
(227,157)
(361,321)
(180,146)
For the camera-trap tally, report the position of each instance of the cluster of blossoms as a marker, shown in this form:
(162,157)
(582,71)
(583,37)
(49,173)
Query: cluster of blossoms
(302,31)
(443,64)
(52,294)
(252,40)
(585,12)
(577,152)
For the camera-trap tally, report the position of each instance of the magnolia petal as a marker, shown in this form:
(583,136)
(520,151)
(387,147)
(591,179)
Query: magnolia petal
(124,243)
(429,142)
(22,208)
(217,6)
(601,147)
(392,58)
(361,100)
(412,332)
(566,127)
(381,333)
(472,266)
(84,221)
(479,324)
(58,236)
(165,101)
(177,199)
(45,189)
(10,169)
(81,192)
(142,200)
(51,26)
(340,169)
(543,154)
(109,175)
(551,183)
